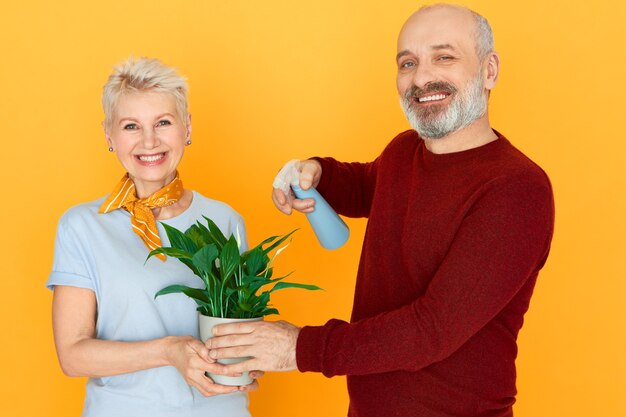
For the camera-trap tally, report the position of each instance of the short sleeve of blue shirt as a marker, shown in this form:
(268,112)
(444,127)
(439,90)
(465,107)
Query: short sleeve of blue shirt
(70,260)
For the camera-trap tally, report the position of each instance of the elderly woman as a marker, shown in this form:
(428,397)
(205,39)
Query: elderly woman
(142,356)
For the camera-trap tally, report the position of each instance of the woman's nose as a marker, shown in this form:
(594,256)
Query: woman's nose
(150,138)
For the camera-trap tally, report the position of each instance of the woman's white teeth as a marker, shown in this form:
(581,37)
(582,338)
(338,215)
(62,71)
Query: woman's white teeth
(151,158)
(432,98)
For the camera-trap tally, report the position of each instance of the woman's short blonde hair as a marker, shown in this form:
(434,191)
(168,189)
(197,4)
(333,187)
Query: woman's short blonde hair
(143,74)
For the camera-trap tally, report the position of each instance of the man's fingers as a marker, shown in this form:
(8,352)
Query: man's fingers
(218,342)
(220,369)
(231,352)
(256,374)
(310,172)
(236,328)
(281,201)
(309,176)
(238,368)
(250,387)
(279,196)
(306,205)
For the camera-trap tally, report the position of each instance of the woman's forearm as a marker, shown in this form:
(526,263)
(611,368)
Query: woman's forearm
(82,354)
(97,358)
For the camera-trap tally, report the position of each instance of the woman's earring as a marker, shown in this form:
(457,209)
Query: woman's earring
(110,148)
(188,142)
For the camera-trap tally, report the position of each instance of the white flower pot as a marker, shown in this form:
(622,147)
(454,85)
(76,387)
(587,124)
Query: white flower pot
(206,332)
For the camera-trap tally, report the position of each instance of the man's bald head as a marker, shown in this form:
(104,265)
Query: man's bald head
(483,35)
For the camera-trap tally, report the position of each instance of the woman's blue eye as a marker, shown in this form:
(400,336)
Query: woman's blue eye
(130,126)
(164,123)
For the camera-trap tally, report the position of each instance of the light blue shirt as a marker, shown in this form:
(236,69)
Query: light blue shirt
(101,252)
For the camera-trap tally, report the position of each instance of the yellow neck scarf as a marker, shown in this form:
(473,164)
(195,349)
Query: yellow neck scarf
(141,217)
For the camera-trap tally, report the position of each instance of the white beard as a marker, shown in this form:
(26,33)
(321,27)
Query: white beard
(464,109)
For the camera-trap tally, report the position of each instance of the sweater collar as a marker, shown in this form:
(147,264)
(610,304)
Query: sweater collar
(434,160)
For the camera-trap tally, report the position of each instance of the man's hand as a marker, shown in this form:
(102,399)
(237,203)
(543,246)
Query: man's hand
(272,346)
(310,172)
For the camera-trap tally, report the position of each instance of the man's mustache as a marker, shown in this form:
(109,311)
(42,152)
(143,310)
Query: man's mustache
(437,86)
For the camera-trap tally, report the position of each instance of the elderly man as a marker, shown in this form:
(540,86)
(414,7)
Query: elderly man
(460,223)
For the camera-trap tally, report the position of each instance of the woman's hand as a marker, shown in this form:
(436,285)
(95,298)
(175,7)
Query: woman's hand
(191,357)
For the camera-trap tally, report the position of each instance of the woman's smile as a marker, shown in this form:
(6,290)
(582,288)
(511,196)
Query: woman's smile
(152,159)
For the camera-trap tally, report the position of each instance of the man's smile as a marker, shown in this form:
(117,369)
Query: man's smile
(432,97)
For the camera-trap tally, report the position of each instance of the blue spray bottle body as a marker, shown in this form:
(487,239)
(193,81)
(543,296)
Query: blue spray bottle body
(331,231)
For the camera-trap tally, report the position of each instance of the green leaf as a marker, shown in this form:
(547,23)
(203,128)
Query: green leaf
(245,307)
(203,259)
(207,236)
(215,232)
(179,240)
(283,285)
(278,242)
(265,242)
(189,264)
(254,283)
(195,293)
(268,311)
(256,261)
(248,280)
(173,252)
(195,234)
(229,259)
(181,255)
(230,292)
(204,310)
(263,298)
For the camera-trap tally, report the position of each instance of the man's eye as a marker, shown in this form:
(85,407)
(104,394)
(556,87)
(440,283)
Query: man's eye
(407,64)
(130,126)
(445,58)
(164,123)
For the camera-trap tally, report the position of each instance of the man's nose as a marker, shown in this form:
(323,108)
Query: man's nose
(423,75)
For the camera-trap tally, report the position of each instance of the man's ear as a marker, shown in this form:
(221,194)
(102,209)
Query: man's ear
(491,70)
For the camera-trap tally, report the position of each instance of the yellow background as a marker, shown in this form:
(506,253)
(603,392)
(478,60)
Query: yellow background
(274,80)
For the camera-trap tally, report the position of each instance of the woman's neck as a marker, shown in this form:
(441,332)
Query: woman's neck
(164,213)
(145,189)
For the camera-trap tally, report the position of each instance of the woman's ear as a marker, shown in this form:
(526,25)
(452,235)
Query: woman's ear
(106,135)
(188,137)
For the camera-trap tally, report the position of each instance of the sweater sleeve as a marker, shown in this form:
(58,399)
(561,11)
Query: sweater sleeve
(348,186)
(502,243)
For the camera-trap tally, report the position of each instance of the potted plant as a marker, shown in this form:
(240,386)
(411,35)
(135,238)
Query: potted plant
(235,287)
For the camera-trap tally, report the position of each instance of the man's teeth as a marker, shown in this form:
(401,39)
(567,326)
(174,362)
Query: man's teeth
(432,98)
(151,158)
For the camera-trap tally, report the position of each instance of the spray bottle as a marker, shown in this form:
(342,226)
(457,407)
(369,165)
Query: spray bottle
(331,231)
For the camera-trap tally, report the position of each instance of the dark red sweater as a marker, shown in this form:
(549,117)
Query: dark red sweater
(451,253)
